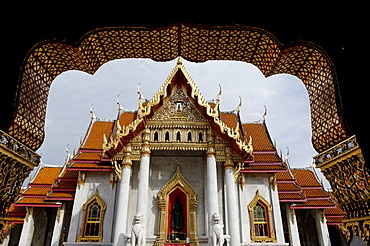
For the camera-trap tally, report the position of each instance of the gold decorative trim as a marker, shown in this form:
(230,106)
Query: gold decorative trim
(81,236)
(229,164)
(177,181)
(265,239)
(144,111)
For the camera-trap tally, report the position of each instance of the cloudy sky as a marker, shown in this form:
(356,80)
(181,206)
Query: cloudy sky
(73,92)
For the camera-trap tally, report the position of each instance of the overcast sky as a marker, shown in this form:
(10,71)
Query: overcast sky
(73,92)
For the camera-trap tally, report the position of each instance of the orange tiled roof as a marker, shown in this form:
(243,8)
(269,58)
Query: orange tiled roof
(65,185)
(231,120)
(264,167)
(46,175)
(16,210)
(334,211)
(292,196)
(37,191)
(315,193)
(127,118)
(284,176)
(69,174)
(334,220)
(260,138)
(288,187)
(314,203)
(89,165)
(266,158)
(65,194)
(306,178)
(96,156)
(95,137)
(31,200)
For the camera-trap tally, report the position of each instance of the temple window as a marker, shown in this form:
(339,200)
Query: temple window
(92,224)
(178,136)
(167,136)
(260,221)
(189,137)
(260,212)
(200,137)
(156,136)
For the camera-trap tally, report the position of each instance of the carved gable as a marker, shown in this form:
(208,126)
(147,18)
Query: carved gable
(178,108)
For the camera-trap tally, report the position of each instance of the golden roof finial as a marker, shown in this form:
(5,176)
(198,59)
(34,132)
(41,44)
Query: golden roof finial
(179,61)
(93,116)
(219,94)
(240,104)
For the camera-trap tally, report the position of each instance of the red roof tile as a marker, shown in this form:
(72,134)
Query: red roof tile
(46,175)
(306,178)
(260,138)
(231,120)
(127,118)
(95,137)
(288,187)
(315,193)
(95,156)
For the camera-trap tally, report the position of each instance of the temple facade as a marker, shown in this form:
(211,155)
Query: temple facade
(176,171)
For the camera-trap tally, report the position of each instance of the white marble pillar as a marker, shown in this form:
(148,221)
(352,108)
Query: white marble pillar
(322,228)
(28,228)
(142,196)
(279,231)
(232,200)
(120,233)
(292,226)
(212,192)
(58,226)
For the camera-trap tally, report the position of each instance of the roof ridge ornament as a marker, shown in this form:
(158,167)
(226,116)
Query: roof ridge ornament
(179,60)
(120,108)
(263,119)
(93,116)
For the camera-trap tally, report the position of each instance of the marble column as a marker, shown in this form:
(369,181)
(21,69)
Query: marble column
(28,228)
(58,227)
(322,228)
(212,192)
(232,200)
(276,213)
(292,226)
(142,196)
(120,233)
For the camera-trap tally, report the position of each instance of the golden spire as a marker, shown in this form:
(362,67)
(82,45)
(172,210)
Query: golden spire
(179,61)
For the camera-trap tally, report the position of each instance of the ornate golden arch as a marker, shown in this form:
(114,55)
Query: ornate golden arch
(260,199)
(177,181)
(85,210)
(305,60)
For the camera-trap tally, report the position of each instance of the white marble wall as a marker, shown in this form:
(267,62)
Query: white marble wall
(259,182)
(93,181)
(162,167)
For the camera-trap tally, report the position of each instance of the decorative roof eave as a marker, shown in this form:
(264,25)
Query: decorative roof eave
(40,205)
(262,170)
(312,207)
(115,144)
(91,169)
(292,200)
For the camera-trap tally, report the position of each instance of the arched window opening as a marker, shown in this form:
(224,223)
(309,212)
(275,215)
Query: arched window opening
(156,136)
(167,136)
(189,137)
(260,212)
(178,136)
(92,224)
(260,221)
(200,137)
(93,220)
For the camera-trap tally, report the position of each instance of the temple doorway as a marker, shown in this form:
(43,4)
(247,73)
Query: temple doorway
(177,204)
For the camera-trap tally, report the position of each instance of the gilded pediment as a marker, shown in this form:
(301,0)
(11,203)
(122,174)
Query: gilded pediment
(178,107)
